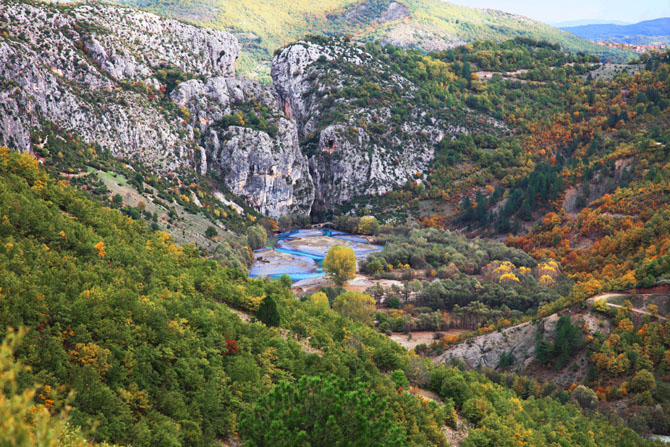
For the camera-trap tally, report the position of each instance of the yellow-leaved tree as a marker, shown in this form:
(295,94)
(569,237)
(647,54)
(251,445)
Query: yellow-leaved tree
(25,417)
(357,306)
(320,301)
(340,265)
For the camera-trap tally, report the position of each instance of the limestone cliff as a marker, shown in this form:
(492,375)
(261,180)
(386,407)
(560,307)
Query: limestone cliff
(264,165)
(518,344)
(344,101)
(114,76)
(340,121)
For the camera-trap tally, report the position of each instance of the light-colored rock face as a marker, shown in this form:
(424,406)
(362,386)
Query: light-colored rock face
(363,151)
(96,70)
(291,82)
(394,11)
(66,90)
(520,341)
(269,171)
(150,41)
(105,73)
(426,37)
(66,66)
(342,168)
(486,350)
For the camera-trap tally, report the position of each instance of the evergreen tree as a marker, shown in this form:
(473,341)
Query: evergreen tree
(468,212)
(267,312)
(211,232)
(480,210)
(544,351)
(321,411)
(525,212)
(568,341)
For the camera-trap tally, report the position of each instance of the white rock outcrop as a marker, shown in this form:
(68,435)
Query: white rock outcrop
(99,71)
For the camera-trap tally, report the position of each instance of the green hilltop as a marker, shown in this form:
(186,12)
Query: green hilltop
(266,25)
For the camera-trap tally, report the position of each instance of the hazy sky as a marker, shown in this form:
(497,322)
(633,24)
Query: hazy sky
(558,11)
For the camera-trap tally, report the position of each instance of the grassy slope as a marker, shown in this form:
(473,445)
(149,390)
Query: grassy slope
(265,25)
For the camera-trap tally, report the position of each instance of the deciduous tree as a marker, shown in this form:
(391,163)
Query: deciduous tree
(340,265)
(357,306)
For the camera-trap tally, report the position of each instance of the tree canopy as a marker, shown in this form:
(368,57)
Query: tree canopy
(340,265)
(321,411)
(357,306)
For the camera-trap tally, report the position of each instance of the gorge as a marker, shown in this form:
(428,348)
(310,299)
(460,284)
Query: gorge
(165,94)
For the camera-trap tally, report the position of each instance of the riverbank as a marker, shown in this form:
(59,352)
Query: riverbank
(359,284)
(299,253)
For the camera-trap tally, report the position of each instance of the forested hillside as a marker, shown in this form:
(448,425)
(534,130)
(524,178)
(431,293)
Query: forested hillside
(587,179)
(140,332)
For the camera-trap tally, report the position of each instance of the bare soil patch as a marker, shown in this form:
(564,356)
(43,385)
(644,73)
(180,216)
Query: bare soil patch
(419,337)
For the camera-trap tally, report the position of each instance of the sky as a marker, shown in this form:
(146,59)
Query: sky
(552,11)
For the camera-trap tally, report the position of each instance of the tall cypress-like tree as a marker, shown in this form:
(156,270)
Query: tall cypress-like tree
(467,209)
(268,313)
(480,209)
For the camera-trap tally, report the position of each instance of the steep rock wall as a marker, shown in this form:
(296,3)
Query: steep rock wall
(99,71)
(353,149)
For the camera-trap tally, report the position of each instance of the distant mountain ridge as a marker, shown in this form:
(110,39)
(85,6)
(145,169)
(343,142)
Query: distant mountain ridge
(648,31)
(263,26)
(584,22)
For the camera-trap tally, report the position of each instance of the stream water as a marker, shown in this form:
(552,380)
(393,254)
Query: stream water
(299,253)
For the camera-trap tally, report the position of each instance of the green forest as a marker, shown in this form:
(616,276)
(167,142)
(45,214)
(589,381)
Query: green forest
(140,342)
(536,216)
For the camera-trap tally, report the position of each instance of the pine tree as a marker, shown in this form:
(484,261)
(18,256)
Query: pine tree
(480,210)
(468,210)
(268,313)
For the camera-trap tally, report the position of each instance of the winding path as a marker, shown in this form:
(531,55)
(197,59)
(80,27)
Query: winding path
(607,296)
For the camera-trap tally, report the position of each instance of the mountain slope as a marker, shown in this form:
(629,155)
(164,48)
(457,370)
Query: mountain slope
(358,121)
(649,31)
(111,75)
(121,86)
(139,329)
(136,326)
(265,25)
(608,346)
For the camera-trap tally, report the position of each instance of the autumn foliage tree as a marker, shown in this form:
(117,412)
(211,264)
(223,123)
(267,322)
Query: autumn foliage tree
(357,306)
(340,265)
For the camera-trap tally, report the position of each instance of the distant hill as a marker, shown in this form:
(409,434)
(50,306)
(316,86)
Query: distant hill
(263,26)
(649,31)
(582,22)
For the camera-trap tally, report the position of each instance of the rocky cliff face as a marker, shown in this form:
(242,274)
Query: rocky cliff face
(105,73)
(519,341)
(339,122)
(264,166)
(335,92)
(71,66)
(486,350)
